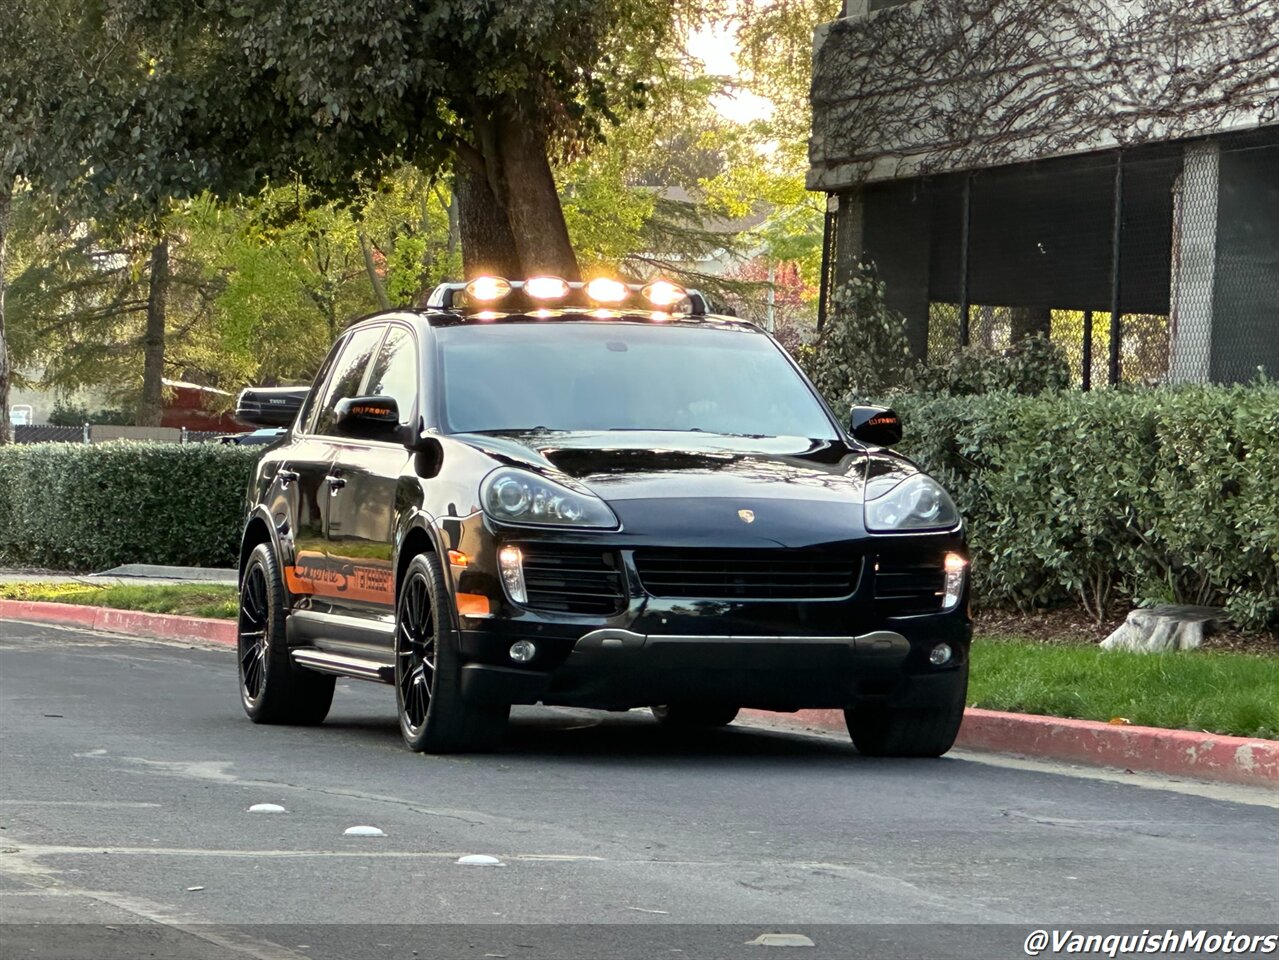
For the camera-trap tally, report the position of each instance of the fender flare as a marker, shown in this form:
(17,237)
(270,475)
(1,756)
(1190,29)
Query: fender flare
(281,543)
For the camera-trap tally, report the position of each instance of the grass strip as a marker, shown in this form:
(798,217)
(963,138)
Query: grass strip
(1215,692)
(183,599)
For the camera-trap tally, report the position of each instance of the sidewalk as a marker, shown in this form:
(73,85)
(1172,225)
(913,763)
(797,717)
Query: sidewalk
(141,574)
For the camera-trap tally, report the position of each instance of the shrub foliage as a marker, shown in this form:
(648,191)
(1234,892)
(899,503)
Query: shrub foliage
(1166,494)
(91,507)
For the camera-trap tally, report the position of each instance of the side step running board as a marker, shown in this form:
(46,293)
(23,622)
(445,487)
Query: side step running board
(342,665)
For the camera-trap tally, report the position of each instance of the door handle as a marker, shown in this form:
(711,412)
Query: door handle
(286,476)
(335,484)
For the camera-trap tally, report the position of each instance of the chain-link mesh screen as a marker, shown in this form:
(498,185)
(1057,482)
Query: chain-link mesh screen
(1151,265)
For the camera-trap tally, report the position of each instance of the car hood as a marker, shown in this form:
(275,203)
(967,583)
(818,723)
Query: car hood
(620,466)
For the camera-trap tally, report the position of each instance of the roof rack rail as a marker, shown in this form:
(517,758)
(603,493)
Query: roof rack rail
(441,298)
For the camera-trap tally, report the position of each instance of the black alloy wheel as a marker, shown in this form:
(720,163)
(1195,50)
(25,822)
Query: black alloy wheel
(272,688)
(254,618)
(415,656)
(880,731)
(434,716)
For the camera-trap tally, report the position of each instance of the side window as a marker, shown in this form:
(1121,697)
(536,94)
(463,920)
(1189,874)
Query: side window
(308,406)
(395,372)
(348,374)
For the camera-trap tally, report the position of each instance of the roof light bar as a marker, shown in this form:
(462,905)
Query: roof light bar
(546,288)
(663,293)
(484,289)
(483,292)
(607,290)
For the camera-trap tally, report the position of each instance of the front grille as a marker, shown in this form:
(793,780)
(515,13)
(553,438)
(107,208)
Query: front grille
(568,579)
(905,589)
(747,574)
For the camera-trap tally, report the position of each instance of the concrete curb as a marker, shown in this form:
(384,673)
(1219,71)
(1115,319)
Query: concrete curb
(1176,753)
(139,623)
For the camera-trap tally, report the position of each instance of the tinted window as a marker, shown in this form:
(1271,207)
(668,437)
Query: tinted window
(308,406)
(348,374)
(623,376)
(395,372)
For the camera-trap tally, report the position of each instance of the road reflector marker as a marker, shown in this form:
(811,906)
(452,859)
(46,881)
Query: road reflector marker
(480,860)
(781,940)
(363,832)
(267,808)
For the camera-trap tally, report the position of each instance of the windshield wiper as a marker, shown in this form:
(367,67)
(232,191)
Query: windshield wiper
(516,430)
(715,433)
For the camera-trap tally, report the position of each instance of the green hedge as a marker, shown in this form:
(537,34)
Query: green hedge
(1153,495)
(91,507)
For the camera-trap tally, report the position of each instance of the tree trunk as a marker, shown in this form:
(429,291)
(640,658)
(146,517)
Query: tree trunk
(370,267)
(488,248)
(1028,321)
(533,202)
(151,408)
(6,198)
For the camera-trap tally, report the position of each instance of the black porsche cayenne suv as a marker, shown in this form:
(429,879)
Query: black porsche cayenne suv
(597,496)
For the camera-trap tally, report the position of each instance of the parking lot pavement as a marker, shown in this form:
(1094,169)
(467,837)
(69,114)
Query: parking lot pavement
(128,771)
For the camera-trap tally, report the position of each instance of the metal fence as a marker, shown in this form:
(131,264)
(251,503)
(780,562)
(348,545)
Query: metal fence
(1148,265)
(101,433)
(1151,266)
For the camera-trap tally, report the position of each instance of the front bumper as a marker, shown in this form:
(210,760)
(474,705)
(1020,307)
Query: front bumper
(775,655)
(619,669)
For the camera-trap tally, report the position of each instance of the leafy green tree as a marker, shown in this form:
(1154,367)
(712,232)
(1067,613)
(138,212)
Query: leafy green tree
(333,90)
(40,63)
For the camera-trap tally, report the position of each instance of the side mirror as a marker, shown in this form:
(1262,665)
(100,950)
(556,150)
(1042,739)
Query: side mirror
(368,418)
(877,426)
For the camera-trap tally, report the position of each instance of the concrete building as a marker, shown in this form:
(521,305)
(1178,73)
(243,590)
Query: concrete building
(1103,170)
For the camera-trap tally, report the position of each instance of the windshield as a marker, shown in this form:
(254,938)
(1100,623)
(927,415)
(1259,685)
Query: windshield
(622,376)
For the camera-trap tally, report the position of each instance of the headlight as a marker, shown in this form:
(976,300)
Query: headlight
(917,503)
(520,496)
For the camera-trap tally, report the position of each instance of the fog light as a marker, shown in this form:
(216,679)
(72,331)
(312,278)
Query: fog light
(940,654)
(522,651)
(955,569)
(511,562)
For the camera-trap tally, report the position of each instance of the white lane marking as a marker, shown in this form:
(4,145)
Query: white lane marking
(56,850)
(104,804)
(226,938)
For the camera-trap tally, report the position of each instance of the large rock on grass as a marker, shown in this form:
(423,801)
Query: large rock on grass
(1164,628)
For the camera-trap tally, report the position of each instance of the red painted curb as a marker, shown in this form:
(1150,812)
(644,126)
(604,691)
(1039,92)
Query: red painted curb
(137,622)
(1179,753)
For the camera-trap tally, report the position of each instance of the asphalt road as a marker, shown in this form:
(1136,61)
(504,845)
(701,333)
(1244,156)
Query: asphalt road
(127,770)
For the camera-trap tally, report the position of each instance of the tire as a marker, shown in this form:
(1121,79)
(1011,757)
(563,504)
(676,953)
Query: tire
(434,718)
(272,688)
(879,731)
(693,716)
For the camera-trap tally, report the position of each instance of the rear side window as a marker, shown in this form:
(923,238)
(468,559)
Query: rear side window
(395,372)
(348,374)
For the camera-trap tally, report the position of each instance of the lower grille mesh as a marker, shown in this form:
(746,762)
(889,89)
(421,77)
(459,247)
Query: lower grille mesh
(903,589)
(570,579)
(747,574)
